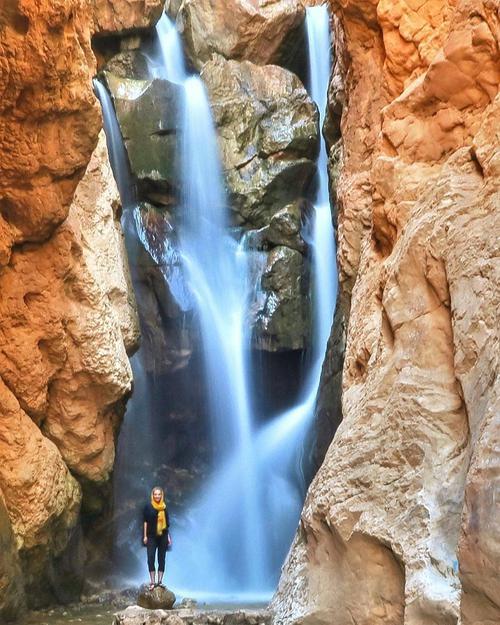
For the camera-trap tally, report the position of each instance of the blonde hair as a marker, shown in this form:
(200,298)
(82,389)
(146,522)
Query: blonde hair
(158,488)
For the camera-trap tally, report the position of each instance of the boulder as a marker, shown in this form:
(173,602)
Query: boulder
(156,599)
(120,16)
(236,29)
(147,111)
(160,286)
(268,136)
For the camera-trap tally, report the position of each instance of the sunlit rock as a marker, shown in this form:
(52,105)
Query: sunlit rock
(236,29)
(119,16)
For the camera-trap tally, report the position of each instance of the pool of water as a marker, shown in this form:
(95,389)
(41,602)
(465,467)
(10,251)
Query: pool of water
(81,614)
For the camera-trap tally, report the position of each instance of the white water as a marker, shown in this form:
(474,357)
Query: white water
(231,543)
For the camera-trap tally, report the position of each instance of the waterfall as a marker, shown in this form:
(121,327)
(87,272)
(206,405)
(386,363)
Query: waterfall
(116,149)
(231,542)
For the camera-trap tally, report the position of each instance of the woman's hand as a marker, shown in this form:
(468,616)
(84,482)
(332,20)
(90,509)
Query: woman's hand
(145,540)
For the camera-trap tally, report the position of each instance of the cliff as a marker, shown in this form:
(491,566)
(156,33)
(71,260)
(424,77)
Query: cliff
(67,318)
(399,525)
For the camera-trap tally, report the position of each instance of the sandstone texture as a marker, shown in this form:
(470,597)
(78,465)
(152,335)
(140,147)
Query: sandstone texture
(66,314)
(236,29)
(401,524)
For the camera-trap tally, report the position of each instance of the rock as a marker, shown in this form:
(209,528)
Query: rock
(285,227)
(398,524)
(235,29)
(119,16)
(12,599)
(156,599)
(282,319)
(136,615)
(159,284)
(68,318)
(268,136)
(188,604)
(147,112)
(129,64)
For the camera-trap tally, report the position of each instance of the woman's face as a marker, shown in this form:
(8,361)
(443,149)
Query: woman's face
(157,495)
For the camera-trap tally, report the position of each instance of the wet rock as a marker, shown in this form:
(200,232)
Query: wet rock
(160,285)
(282,319)
(147,112)
(285,227)
(156,599)
(268,136)
(236,30)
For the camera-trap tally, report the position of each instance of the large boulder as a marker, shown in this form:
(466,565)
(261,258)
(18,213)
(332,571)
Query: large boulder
(160,287)
(148,114)
(236,29)
(119,16)
(268,136)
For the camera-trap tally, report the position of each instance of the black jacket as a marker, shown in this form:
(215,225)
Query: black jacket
(150,517)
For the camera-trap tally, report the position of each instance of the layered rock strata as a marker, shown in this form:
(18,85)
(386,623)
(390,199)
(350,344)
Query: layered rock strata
(66,313)
(399,525)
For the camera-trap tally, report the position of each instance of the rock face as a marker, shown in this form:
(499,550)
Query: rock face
(236,29)
(400,525)
(268,136)
(66,315)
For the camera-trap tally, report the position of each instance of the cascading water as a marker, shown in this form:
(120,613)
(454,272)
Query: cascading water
(237,531)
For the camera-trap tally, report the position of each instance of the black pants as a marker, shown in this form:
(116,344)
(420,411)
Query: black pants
(157,543)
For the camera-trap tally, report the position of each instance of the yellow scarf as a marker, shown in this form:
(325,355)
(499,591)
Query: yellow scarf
(161,525)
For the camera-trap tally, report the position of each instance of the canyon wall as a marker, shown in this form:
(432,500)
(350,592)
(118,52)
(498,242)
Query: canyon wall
(67,316)
(401,523)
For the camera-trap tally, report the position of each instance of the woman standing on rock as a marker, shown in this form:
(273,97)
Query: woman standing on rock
(156,536)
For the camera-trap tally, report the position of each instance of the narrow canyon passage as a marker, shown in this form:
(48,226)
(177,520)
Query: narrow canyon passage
(233,531)
(172,323)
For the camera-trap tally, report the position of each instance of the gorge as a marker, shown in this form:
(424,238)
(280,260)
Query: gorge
(400,522)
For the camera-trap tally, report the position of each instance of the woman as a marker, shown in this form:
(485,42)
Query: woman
(156,536)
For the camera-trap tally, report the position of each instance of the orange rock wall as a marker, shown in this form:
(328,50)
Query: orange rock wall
(401,523)
(67,316)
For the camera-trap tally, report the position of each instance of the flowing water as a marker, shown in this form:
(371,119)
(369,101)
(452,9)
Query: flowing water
(237,531)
